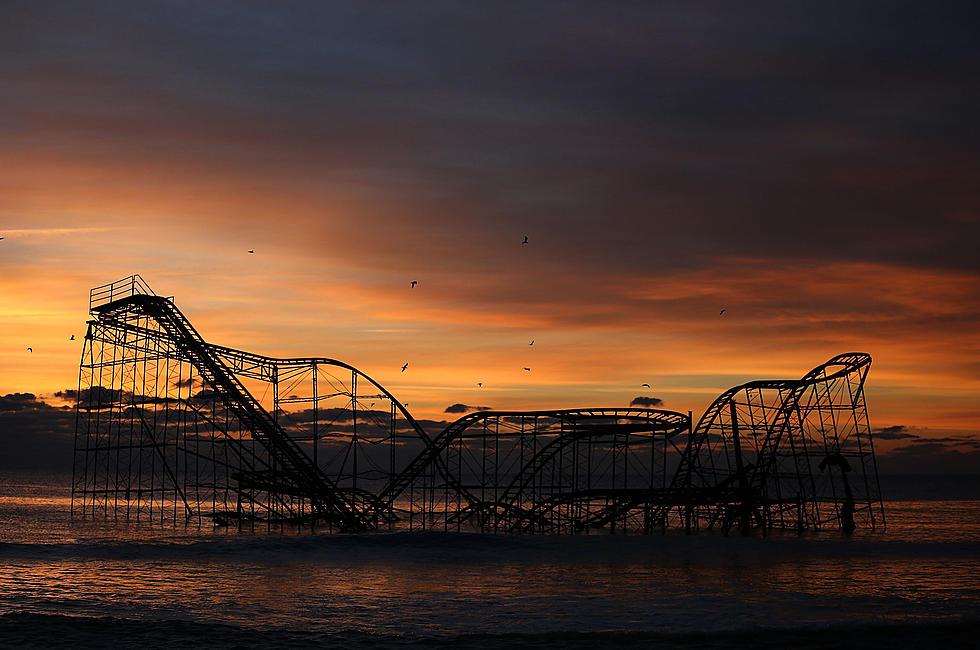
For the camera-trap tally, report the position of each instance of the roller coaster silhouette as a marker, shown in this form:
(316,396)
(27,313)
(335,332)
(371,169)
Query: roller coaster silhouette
(173,429)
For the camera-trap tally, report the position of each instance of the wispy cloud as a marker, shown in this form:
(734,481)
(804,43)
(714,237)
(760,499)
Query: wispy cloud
(50,232)
(895,432)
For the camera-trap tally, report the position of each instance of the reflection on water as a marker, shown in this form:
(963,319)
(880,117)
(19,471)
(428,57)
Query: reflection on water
(923,567)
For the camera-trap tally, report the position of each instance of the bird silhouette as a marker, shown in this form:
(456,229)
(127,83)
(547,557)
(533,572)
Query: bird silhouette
(30,349)
(532,342)
(526,368)
(251,252)
(645,385)
(372,405)
(525,240)
(72,338)
(2,237)
(480,384)
(414,282)
(722,312)
(403,367)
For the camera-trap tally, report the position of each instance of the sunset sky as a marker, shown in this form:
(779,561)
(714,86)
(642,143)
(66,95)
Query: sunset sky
(811,168)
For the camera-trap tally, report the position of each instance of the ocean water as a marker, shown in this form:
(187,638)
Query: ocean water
(67,583)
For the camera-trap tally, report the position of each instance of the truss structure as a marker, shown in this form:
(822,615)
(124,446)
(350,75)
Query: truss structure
(173,429)
(784,454)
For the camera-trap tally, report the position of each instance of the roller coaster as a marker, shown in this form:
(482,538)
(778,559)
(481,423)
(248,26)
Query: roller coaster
(172,429)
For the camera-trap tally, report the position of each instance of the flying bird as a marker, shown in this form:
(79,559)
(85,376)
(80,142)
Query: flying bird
(72,338)
(525,240)
(414,282)
(372,404)
(251,252)
(532,342)
(2,237)
(526,368)
(403,367)
(480,384)
(722,312)
(645,385)
(30,349)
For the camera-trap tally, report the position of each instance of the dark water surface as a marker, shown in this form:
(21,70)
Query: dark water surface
(71,583)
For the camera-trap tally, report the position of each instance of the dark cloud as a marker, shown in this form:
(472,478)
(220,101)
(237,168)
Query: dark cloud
(946,455)
(949,441)
(612,120)
(337,416)
(646,402)
(34,434)
(433,427)
(925,452)
(92,396)
(926,438)
(99,397)
(897,428)
(37,436)
(465,408)
(15,402)
(895,432)
(323,416)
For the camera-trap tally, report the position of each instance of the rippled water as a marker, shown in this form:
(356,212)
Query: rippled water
(72,582)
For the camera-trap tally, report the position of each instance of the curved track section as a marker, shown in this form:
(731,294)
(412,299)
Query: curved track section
(558,471)
(783,454)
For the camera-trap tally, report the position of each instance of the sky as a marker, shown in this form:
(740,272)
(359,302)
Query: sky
(811,168)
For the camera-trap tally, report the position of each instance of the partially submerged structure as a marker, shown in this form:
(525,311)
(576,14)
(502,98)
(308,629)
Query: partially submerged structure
(172,428)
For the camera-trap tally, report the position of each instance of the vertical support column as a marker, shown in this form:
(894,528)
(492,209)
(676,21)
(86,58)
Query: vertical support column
(689,464)
(115,415)
(316,407)
(354,443)
(743,505)
(76,446)
(391,465)
(483,468)
(275,503)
